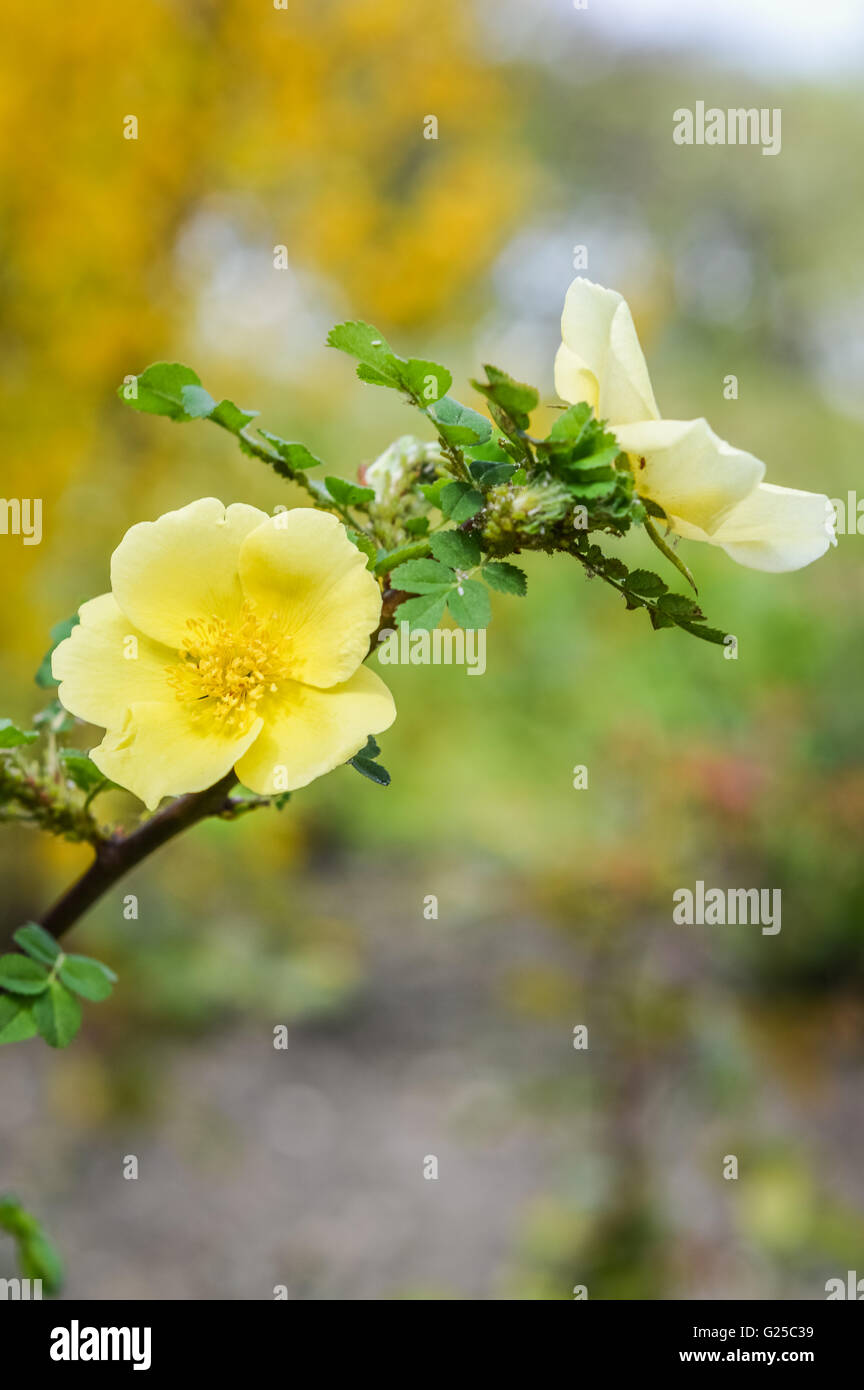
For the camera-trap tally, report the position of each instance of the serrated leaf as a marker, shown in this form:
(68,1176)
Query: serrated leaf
(459,424)
(21,975)
(506,578)
(659,619)
(37,942)
(422,577)
(459,502)
(363,341)
(57,1014)
(13,737)
(571,424)
(708,634)
(456,549)
(160,390)
(679,606)
(514,398)
(16,1020)
(646,583)
(89,978)
(416,525)
(424,612)
(427,382)
(615,568)
(469,604)
(59,632)
(294,454)
(348,494)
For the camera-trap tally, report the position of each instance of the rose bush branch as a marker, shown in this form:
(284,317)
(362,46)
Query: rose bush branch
(232,644)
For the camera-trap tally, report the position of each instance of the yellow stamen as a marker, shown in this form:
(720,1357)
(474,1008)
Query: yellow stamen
(227,668)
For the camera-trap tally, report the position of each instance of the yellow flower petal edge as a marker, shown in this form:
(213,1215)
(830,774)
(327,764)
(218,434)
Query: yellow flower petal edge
(182,566)
(98,663)
(600,360)
(262,622)
(164,750)
(312,731)
(301,568)
(776,529)
(709,490)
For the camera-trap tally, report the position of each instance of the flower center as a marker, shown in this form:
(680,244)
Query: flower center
(227,668)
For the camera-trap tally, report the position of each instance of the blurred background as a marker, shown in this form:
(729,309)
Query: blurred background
(303,127)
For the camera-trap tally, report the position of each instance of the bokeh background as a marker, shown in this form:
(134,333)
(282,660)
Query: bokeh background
(303,127)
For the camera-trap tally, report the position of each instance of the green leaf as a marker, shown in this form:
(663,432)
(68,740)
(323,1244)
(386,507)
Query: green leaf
(348,494)
(389,559)
(16,1020)
(39,1259)
(708,634)
(571,424)
(374,771)
(160,390)
(432,491)
(469,604)
(679,606)
(196,402)
(231,417)
(427,382)
(296,455)
(89,978)
(422,577)
(456,549)
(13,737)
(59,632)
(458,424)
(365,763)
(57,1014)
(363,341)
(417,525)
(80,769)
(645,583)
(513,397)
(506,578)
(364,543)
(424,612)
(492,474)
(37,942)
(459,502)
(660,619)
(21,975)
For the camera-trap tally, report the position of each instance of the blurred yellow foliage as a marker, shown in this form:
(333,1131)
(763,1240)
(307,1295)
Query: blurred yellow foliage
(308,121)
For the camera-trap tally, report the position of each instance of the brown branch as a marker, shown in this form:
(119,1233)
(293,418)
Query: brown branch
(116,856)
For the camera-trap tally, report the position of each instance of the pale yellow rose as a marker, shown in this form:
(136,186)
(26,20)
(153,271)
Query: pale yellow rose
(231,639)
(709,490)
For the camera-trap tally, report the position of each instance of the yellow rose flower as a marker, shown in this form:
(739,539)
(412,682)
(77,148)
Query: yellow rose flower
(231,639)
(709,490)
